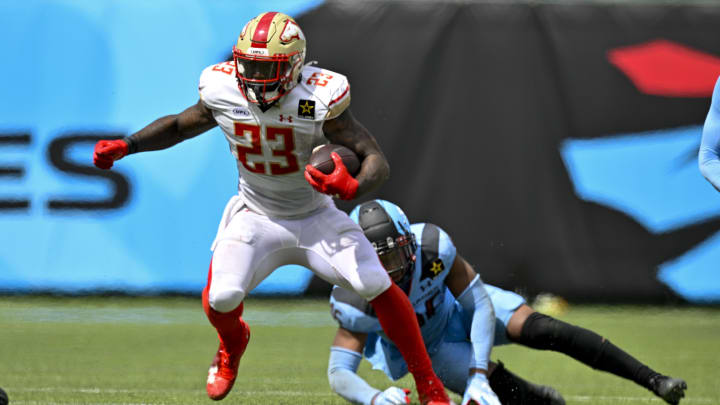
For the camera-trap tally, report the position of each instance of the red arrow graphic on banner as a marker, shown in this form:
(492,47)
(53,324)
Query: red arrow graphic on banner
(666,68)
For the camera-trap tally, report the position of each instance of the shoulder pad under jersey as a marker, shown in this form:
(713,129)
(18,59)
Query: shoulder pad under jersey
(331,89)
(352,311)
(218,86)
(437,251)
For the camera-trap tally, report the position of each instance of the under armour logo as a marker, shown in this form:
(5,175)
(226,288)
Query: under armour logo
(283,118)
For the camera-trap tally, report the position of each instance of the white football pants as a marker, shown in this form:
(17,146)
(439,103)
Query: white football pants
(249,246)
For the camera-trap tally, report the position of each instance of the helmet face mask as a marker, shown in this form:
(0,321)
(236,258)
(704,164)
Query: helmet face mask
(264,80)
(388,229)
(269,57)
(396,255)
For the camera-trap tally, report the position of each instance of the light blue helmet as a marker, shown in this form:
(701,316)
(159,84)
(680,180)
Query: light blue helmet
(387,227)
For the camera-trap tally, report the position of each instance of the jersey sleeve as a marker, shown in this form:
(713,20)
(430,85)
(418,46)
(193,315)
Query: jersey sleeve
(352,312)
(437,250)
(214,85)
(332,89)
(709,154)
(340,99)
(448,251)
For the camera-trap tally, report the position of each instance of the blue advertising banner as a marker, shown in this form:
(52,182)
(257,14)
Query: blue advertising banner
(653,177)
(555,142)
(75,71)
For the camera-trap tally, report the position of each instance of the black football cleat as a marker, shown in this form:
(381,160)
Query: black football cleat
(668,388)
(513,390)
(545,395)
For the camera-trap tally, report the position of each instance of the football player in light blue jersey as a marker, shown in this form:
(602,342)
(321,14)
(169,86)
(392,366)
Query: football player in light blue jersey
(460,319)
(709,155)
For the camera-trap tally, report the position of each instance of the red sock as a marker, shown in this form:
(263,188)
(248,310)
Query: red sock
(227,324)
(397,317)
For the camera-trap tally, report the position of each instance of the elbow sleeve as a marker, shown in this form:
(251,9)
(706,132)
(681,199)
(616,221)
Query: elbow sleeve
(342,368)
(478,307)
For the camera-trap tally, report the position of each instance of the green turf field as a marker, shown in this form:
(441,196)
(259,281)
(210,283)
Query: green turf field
(156,351)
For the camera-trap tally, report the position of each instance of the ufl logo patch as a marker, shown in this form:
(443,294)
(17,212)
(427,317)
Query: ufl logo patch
(306,109)
(241,111)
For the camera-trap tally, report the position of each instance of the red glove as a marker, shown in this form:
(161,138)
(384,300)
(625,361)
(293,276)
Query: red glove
(106,152)
(339,183)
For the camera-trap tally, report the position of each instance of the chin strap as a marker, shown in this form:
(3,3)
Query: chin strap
(264,107)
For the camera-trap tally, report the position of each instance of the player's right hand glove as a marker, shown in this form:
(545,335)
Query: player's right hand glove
(478,392)
(392,396)
(339,183)
(106,152)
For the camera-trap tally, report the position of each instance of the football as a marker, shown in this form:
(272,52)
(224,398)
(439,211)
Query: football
(321,160)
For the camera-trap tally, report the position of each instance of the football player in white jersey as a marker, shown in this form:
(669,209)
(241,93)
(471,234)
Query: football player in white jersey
(460,318)
(274,110)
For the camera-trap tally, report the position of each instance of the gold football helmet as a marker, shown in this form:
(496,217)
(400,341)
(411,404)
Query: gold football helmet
(269,56)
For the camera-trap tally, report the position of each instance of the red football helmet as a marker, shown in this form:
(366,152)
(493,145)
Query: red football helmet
(269,57)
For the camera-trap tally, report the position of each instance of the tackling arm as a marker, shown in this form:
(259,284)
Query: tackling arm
(709,154)
(466,286)
(345,357)
(347,131)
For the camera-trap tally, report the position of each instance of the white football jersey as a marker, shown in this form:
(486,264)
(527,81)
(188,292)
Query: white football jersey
(273,147)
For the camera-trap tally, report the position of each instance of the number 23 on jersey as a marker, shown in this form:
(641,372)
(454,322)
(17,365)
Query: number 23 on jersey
(282,147)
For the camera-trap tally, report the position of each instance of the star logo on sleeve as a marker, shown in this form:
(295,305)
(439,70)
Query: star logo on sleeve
(437,267)
(306,109)
(433,269)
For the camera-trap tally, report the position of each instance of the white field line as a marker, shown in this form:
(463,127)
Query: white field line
(315,401)
(66,403)
(107,391)
(651,399)
(162,315)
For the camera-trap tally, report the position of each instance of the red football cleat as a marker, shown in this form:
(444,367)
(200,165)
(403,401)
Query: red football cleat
(224,367)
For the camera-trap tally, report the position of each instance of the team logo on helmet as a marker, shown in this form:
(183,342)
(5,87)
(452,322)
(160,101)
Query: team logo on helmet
(291,31)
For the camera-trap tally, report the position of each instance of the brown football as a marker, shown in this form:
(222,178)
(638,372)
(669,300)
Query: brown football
(321,160)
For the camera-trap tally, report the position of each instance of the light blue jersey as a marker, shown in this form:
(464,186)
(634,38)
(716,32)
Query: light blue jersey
(709,154)
(443,327)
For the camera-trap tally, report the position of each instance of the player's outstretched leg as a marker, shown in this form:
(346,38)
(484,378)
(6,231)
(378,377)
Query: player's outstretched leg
(668,388)
(543,332)
(513,390)
(399,322)
(234,335)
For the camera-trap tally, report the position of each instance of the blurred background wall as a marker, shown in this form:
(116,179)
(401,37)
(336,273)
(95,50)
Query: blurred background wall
(556,142)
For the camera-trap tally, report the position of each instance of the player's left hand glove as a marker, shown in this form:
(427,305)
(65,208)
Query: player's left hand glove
(478,392)
(392,396)
(106,152)
(338,183)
